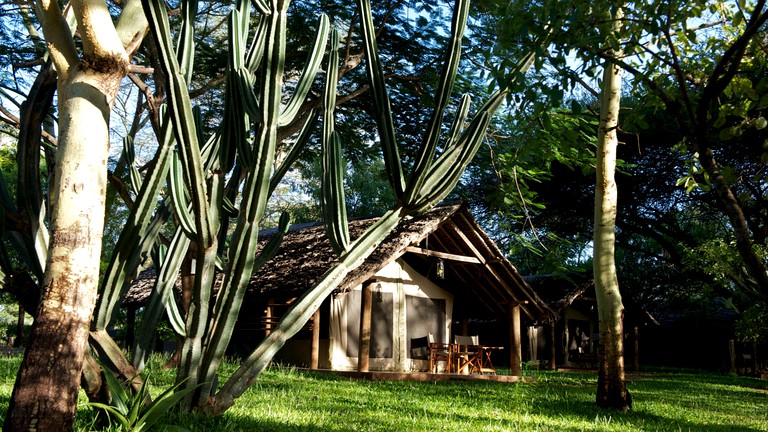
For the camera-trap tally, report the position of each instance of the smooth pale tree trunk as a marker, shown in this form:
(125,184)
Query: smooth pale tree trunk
(45,393)
(611,387)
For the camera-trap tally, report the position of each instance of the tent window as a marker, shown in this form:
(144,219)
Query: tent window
(423,316)
(381,325)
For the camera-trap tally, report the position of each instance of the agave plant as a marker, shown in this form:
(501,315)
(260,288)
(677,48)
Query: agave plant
(131,411)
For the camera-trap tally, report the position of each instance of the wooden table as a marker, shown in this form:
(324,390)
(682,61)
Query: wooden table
(462,358)
(474,358)
(486,366)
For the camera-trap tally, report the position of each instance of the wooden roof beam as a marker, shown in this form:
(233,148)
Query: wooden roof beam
(443,255)
(466,240)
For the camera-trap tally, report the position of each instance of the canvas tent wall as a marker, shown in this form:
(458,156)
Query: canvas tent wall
(407,306)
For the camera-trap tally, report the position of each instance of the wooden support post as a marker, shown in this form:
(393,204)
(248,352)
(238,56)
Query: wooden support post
(637,346)
(364,350)
(732,352)
(314,359)
(268,314)
(754,357)
(552,346)
(515,348)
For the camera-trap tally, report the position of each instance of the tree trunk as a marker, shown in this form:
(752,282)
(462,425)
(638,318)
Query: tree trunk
(45,393)
(611,388)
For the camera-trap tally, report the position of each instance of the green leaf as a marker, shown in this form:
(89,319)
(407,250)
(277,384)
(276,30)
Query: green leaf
(119,397)
(576,107)
(126,425)
(163,403)
(728,133)
(763,101)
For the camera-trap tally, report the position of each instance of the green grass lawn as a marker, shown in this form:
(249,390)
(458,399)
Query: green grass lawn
(285,399)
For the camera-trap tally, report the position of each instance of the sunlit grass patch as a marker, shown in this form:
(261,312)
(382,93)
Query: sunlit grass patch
(287,399)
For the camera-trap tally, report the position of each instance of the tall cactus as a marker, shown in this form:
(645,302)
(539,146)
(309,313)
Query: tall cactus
(206,339)
(243,147)
(334,203)
(430,183)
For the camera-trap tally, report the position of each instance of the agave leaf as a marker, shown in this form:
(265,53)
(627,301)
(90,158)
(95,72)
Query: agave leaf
(117,414)
(163,403)
(119,397)
(137,401)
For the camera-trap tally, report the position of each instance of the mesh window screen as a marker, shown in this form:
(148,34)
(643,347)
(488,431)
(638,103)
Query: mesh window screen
(424,316)
(381,325)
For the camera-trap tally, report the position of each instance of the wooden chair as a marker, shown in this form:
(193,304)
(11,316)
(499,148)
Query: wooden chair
(468,354)
(438,351)
(420,348)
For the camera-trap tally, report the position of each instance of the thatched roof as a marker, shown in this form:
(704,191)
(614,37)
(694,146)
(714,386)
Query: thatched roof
(485,281)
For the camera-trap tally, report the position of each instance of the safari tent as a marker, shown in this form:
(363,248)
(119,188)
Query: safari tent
(570,339)
(437,273)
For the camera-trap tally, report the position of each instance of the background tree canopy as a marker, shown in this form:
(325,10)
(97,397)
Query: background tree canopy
(692,224)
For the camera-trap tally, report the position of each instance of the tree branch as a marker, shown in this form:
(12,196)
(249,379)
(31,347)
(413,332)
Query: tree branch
(61,45)
(729,63)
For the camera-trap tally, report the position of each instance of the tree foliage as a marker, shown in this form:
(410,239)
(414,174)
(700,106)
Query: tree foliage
(204,193)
